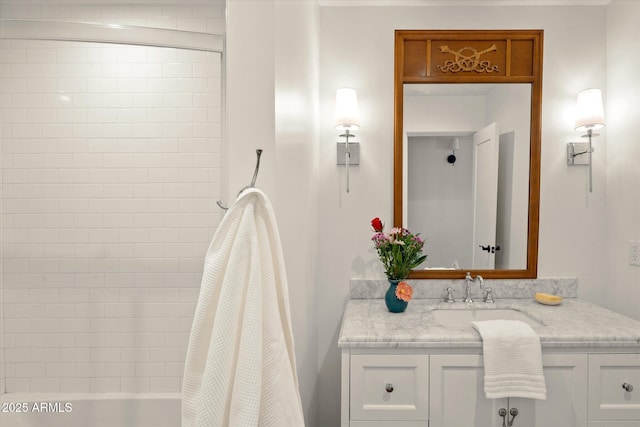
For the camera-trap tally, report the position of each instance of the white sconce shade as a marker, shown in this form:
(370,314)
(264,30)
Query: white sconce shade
(590,112)
(346,114)
(455,144)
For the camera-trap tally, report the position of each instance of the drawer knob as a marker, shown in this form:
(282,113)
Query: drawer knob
(389,387)
(627,387)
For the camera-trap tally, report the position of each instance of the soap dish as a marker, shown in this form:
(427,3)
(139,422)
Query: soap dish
(548,299)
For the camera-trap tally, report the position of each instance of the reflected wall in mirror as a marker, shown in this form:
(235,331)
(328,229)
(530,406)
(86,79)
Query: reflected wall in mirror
(476,96)
(474,211)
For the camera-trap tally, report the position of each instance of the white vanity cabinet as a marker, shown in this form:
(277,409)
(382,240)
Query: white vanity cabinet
(413,370)
(458,399)
(614,390)
(420,388)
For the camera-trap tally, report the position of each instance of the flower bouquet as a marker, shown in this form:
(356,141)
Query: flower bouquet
(400,252)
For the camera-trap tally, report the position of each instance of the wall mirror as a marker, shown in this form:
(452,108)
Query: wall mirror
(467,149)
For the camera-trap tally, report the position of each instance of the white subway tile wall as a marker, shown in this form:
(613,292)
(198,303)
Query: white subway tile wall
(2,367)
(110,170)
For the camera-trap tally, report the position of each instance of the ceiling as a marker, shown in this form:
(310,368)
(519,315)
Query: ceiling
(111,2)
(464,2)
(349,2)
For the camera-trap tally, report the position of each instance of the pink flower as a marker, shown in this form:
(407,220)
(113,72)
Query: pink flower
(379,239)
(396,231)
(404,292)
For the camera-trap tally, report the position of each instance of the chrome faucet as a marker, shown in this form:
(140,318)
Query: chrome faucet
(468,280)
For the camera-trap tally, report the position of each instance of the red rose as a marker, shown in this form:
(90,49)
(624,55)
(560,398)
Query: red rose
(377,224)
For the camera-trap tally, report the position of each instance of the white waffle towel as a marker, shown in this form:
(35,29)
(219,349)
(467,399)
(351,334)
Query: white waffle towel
(512,360)
(240,368)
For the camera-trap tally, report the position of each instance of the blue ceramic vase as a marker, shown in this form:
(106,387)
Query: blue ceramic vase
(394,304)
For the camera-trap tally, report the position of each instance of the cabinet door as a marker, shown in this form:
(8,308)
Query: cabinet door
(608,400)
(389,387)
(566,405)
(458,399)
(456,393)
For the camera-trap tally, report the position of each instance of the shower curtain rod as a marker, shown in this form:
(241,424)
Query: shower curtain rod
(29,29)
(253,180)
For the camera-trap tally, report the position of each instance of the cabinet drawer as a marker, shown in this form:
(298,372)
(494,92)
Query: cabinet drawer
(421,423)
(408,380)
(614,423)
(608,400)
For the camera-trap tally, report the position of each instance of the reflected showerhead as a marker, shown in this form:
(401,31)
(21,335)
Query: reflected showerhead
(455,145)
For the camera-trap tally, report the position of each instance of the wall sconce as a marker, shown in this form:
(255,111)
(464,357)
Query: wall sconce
(590,117)
(455,145)
(347,119)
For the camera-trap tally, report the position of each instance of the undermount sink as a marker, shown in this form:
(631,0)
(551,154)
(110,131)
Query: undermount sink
(453,318)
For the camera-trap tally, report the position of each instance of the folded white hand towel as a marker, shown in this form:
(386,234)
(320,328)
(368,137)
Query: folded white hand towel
(512,360)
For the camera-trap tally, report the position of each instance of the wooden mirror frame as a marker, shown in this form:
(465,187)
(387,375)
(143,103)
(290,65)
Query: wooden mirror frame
(499,56)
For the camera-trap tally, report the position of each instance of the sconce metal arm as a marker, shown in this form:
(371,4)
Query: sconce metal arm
(571,155)
(347,154)
(582,152)
(590,150)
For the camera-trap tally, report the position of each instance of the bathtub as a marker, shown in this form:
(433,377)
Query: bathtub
(90,410)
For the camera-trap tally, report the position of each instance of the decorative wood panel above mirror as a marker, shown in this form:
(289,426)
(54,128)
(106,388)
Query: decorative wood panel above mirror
(472,95)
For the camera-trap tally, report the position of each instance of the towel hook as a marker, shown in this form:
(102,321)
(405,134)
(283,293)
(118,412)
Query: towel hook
(253,180)
(255,172)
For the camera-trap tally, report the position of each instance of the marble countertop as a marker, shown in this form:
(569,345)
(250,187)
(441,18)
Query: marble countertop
(574,323)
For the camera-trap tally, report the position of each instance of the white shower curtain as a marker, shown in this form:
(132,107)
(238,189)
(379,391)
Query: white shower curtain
(240,368)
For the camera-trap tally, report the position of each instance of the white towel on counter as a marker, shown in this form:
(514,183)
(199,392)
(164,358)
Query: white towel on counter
(240,368)
(512,360)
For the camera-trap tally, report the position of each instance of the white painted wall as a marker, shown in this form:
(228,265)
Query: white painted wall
(461,113)
(622,287)
(297,181)
(441,200)
(505,206)
(272,88)
(444,218)
(356,49)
